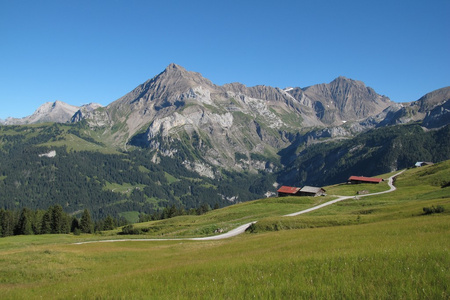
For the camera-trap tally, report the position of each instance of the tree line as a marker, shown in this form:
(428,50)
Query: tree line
(54,220)
(173,211)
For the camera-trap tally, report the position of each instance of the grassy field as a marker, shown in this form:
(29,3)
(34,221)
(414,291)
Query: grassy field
(228,218)
(380,247)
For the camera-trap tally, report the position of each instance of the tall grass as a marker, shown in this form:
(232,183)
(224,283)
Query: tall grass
(229,217)
(386,260)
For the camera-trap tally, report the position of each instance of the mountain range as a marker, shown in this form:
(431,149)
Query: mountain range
(232,125)
(179,139)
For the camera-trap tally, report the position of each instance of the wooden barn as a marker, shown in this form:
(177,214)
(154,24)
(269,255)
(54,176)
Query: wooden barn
(288,191)
(362,179)
(312,191)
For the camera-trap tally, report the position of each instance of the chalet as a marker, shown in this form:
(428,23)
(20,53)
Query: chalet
(288,191)
(362,179)
(312,191)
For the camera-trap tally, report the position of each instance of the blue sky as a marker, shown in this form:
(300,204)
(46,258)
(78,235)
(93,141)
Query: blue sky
(96,51)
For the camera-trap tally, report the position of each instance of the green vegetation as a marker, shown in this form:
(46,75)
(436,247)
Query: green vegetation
(417,188)
(344,189)
(86,174)
(170,178)
(51,221)
(433,210)
(380,150)
(130,216)
(123,188)
(383,248)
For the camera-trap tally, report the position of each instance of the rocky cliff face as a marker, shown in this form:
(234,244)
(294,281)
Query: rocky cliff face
(221,123)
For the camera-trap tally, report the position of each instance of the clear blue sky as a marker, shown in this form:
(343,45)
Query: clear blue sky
(81,51)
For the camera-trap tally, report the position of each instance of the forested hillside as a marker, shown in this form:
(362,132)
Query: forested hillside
(66,164)
(106,183)
(377,151)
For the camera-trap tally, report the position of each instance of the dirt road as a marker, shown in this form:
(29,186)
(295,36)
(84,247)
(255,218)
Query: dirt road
(242,228)
(391,189)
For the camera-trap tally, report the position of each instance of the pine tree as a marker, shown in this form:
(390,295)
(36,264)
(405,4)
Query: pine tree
(75,224)
(6,222)
(46,224)
(86,222)
(24,223)
(57,219)
(109,223)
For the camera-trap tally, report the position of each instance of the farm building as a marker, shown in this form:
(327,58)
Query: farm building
(312,191)
(296,191)
(362,179)
(288,191)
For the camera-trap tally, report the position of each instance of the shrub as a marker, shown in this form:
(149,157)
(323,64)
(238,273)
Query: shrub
(129,229)
(433,210)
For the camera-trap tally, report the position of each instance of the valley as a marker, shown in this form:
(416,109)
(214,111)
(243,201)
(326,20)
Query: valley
(337,251)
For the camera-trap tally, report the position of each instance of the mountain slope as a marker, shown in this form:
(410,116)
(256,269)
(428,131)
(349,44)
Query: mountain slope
(377,151)
(228,126)
(179,139)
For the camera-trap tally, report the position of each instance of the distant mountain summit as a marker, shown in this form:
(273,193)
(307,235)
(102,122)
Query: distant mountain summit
(433,110)
(345,100)
(58,112)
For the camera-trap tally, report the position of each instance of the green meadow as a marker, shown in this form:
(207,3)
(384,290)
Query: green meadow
(375,247)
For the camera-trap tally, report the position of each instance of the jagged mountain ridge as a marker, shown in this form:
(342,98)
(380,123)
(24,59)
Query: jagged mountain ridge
(220,144)
(224,120)
(226,125)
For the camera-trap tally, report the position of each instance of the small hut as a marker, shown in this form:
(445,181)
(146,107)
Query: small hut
(362,179)
(312,191)
(288,191)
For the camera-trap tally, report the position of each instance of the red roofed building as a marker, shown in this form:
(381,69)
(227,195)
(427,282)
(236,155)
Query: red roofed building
(288,191)
(362,179)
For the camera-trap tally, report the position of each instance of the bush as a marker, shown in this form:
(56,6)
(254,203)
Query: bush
(129,229)
(433,210)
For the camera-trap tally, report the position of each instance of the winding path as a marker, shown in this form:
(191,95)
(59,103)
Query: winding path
(225,235)
(242,228)
(391,189)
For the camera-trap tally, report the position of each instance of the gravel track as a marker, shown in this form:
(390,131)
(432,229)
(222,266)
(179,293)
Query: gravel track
(242,228)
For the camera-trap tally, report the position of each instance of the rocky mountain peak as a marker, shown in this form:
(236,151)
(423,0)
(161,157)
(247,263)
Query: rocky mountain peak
(58,111)
(175,75)
(164,87)
(174,67)
(433,99)
(345,80)
(345,99)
